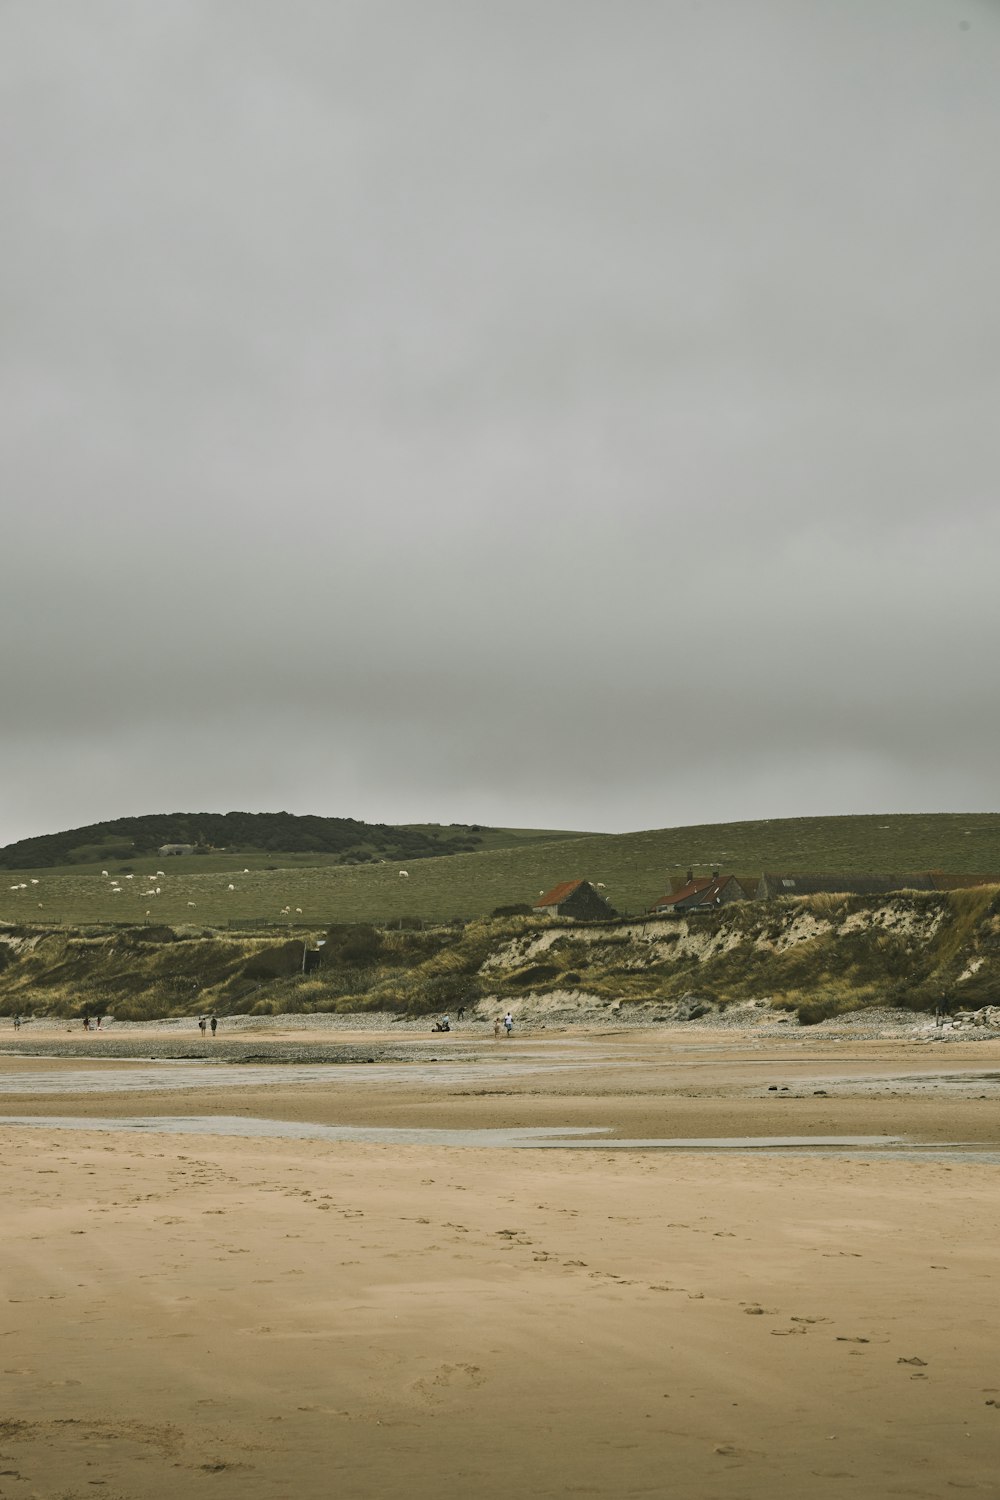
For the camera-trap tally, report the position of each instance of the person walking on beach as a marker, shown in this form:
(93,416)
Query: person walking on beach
(201,1024)
(496,1029)
(214,1024)
(508,1023)
(17,1023)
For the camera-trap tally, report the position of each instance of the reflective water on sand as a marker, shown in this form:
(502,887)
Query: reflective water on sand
(164,1074)
(565,1138)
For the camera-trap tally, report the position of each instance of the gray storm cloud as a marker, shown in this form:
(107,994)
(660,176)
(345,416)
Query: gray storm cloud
(552,413)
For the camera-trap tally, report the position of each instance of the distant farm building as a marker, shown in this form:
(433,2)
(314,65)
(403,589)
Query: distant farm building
(166,849)
(702,893)
(769,887)
(574,898)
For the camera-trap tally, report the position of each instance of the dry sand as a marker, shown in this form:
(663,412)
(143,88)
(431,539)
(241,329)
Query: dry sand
(187,1316)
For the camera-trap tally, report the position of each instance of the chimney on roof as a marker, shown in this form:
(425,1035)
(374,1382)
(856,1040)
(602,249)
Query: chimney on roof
(715,874)
(689,877)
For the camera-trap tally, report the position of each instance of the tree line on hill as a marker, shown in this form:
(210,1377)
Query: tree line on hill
(241,832)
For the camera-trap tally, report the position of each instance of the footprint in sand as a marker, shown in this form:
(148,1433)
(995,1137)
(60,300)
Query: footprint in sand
(434,1387)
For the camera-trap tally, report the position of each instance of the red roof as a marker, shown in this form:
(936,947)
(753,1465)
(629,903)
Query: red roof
(700,883)
(559,893)
(698,892)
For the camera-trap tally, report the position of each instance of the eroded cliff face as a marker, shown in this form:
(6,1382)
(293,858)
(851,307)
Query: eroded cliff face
(815,957)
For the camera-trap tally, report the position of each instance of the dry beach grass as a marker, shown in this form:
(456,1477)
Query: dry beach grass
(268,1317)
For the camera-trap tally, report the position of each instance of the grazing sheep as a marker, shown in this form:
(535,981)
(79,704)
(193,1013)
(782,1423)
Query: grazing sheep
(161,874)
(232,888)
(190,903)
(299,910)
(116,890)
(129,877)
(404,874)
(601,886)
(246,872)
(104,872)
(34,881)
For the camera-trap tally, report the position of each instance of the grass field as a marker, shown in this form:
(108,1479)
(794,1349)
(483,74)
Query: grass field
(635,868)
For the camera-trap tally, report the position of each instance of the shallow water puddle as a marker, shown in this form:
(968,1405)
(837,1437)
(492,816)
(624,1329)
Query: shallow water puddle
(166,1073)
(571,1137)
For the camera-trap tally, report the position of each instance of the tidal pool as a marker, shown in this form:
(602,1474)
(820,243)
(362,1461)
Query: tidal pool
(570,1137)
(167,1074)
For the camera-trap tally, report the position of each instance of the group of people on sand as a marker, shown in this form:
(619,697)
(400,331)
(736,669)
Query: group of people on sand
(444,1024)
(208,1022)
(87,1023)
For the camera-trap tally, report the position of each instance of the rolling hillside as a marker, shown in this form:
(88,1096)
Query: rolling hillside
(635,868)
(257,837)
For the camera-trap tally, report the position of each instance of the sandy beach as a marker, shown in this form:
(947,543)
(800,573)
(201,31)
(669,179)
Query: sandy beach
(247,1314)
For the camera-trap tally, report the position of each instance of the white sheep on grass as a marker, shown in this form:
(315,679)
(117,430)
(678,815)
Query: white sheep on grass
(404,874)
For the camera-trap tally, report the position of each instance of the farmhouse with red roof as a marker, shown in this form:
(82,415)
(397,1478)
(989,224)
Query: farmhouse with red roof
(574,898)
(702,893)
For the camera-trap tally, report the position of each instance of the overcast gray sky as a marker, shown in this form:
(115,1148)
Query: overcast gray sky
(554,413)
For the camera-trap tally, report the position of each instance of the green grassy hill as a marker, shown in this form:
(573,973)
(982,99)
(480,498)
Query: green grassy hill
(260,837)
(635,868)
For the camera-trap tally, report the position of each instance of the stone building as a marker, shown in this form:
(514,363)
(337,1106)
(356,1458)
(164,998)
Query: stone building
(574,898)
(701,893)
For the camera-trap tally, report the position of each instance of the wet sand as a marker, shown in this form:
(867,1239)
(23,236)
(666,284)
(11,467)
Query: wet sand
(190,1315)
